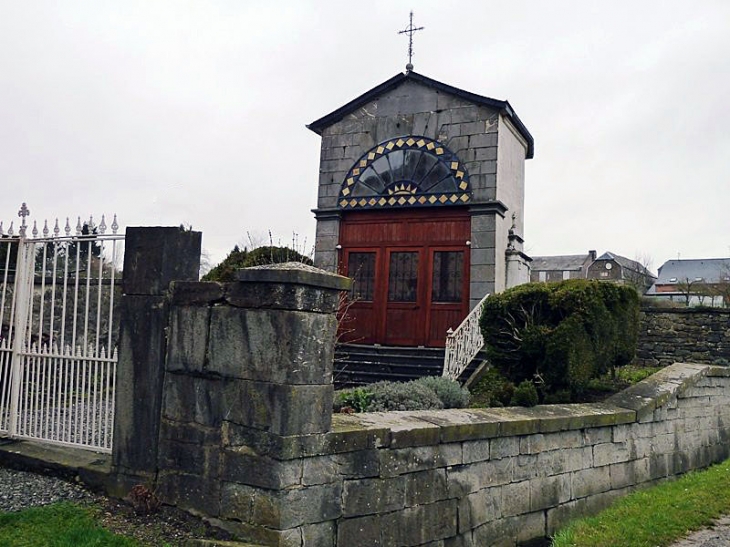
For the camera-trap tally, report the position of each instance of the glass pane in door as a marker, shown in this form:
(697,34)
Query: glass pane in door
(403,277)
(361,268)
(448,276)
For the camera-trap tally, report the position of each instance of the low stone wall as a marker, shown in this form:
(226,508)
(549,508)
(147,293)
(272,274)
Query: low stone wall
(697,335)
(464,477)
(235,398)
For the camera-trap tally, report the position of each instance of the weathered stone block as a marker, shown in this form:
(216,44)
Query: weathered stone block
(138,397)
(546,492)
(588,482)
(155,256)
(515,498)
(189,492)
(479,507)
(187,339)
(360,532)
(409,460)
(195,293)
(353,465)
(471,478)
(244,466)
(280,409)
(426,487)
(475,451)
(284,347)
(420,524)
(282,296)
(369,496)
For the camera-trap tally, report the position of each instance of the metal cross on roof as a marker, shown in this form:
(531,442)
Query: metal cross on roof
(409,30)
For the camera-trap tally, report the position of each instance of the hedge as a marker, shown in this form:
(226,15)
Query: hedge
(561,335)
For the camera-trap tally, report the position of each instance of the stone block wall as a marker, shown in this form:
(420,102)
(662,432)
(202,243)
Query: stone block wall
(234,403)
(439,478)
(683,334)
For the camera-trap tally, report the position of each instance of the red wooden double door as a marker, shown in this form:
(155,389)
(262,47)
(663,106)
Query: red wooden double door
(411,275)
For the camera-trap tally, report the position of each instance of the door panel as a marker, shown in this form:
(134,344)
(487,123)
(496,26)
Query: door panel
(360,318)
(405,297)
(448,286)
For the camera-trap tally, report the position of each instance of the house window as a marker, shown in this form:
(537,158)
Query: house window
(361,267)
(448,276)
(542,276)
(566,275)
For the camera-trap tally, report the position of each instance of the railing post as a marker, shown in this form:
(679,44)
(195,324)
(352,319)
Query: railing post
(21,302)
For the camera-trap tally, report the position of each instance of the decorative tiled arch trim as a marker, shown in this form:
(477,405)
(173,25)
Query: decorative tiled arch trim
(408,171)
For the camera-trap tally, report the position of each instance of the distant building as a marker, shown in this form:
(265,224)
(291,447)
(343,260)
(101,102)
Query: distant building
(694,282)
(619,269)
(607,267)
(558,268)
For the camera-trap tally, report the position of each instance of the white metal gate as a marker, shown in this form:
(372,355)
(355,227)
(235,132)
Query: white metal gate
(59,331)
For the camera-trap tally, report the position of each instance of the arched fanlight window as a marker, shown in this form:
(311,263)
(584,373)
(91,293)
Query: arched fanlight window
(406,171)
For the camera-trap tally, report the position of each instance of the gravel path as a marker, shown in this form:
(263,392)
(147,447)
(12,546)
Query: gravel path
(21,489)
(717,536)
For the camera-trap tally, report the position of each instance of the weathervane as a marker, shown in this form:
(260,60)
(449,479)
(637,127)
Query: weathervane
(409,30)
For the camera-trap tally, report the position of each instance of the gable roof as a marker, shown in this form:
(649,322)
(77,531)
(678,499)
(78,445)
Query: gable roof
(711,270)
(626,263)
(559,262)
(503,106)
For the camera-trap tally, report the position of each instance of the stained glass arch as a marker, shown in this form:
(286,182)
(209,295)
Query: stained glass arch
(408,171)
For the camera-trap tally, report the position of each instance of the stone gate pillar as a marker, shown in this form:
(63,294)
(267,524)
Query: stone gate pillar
(153,257)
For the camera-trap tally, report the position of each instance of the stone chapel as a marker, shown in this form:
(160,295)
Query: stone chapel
(421,197)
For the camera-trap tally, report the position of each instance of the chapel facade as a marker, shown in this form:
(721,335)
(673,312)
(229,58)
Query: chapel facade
(421,198)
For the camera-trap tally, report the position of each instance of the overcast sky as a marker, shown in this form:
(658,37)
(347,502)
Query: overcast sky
(169,112)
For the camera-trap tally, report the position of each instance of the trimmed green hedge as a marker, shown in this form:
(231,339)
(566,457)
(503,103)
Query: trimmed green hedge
(561,335)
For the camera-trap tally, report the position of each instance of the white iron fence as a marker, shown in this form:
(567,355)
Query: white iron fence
(58,332)
(463,344)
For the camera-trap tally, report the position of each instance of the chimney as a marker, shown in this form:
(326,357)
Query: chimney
(592,254)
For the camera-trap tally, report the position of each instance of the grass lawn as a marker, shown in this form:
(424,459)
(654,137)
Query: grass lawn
(657,516)
(58,525)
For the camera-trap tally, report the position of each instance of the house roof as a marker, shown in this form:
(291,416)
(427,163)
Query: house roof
(559,262)
(503,106)
(626,263)
(710,270)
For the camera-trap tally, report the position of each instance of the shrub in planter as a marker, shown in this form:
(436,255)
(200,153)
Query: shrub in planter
(561,335)
(402,396)
(451,394)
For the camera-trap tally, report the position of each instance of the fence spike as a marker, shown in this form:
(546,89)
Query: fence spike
(10,230)
(102,226)
(67,229)
(35,229)
(45,228)
(115,225)
(78,227)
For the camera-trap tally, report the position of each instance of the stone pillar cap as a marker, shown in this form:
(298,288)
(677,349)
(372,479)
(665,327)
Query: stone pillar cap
(296,273)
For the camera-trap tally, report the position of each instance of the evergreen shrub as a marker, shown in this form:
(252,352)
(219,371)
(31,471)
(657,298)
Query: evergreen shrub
(402,396)
(561,335)
(431,392)
(525,394)
(450,392)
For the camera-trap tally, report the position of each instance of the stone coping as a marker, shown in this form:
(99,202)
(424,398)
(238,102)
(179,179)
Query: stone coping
(293,273)
(351,432)
(685,310)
